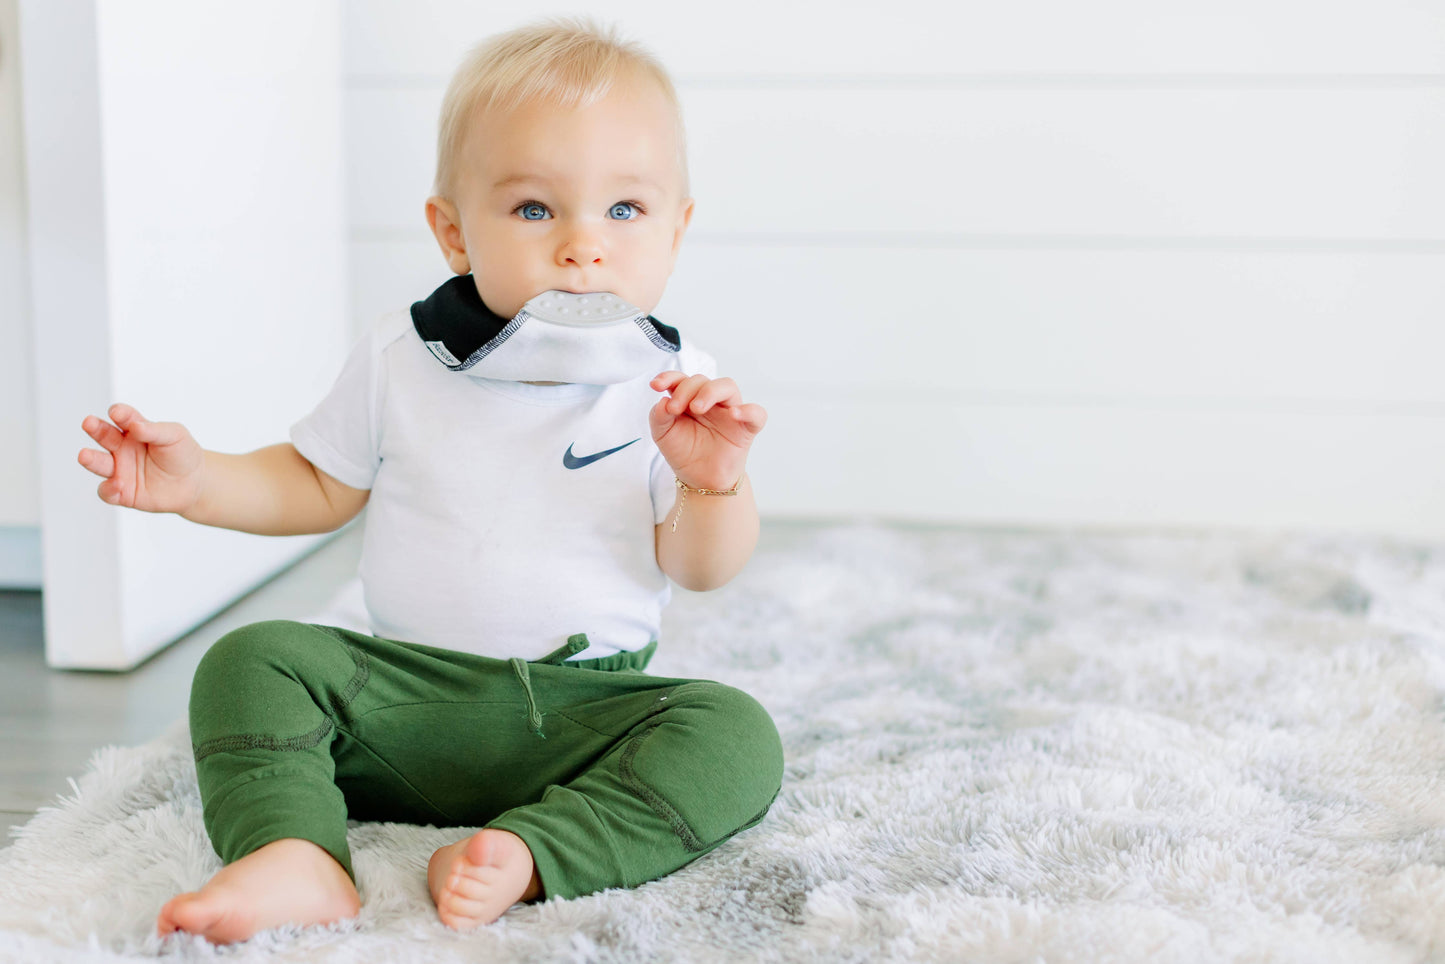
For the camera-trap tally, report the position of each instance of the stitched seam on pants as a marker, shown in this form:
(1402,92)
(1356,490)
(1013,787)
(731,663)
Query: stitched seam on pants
(756,819)
(265,741)
(667,811)
(359,717)
(262,741)
(358,679)
(689,838)
(400,776)
(751,822)
(585,726)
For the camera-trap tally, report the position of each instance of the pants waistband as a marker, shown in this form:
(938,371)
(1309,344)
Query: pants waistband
(625,660)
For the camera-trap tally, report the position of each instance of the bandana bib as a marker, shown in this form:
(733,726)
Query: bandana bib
(591,339)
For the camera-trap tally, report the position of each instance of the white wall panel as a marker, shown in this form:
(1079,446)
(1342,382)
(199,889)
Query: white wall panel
(388,275)
(391,157)
(863,37)
(207,256)
(187,257)
(1320,331)
(1295,164)
(19,467)
(1265,328)
(1230,163)
(928,456)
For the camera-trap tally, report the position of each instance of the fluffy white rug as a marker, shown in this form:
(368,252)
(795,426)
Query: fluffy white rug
(1002,746)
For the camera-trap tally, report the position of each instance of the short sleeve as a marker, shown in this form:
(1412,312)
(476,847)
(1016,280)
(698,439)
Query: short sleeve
(664,487)
(340,435)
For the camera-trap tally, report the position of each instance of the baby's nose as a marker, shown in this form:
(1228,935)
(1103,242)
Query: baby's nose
(582,248)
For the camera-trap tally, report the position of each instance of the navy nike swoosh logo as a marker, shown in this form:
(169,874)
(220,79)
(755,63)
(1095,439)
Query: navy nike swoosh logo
(576,462)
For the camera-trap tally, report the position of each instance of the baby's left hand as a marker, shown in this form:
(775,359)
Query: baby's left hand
(704,430)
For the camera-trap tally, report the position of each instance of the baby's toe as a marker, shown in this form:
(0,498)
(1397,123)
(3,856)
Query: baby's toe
(167,921)
(483,850)
(465,885)
(192,912)
(460,913)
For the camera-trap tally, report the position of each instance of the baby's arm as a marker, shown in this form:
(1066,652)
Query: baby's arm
(704,431)
(159,467)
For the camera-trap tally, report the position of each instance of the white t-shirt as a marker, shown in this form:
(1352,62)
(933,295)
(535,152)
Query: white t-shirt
(479,536)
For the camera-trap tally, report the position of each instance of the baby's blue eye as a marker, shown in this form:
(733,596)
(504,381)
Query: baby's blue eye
(623,211)
(533,211)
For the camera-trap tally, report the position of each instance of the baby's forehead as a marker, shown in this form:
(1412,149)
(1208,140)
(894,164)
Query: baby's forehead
(625,137)
(636,103)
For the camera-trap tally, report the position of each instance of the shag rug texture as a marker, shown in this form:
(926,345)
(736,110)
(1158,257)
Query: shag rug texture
(1001,746)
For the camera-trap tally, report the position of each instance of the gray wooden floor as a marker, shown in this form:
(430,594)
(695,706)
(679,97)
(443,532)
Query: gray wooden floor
(52,720)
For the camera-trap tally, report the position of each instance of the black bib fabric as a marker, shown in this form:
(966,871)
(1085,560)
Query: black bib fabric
(455,315)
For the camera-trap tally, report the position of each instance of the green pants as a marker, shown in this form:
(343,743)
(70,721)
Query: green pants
(612,777)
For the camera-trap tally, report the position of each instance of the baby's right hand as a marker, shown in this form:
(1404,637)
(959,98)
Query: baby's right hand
(152,466)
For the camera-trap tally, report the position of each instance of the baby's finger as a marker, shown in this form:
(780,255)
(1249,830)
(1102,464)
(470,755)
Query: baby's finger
(121,413)
(660,419)
(101,463)
(152,433)
(665,380)
(719,391)
(102,431)
(119,489)
(683,393)
(751,416)
(109,492)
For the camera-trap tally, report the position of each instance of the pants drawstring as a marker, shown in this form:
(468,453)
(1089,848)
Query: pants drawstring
(534,716)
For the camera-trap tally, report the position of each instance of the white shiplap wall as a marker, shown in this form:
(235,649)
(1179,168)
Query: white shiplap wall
(1121,263)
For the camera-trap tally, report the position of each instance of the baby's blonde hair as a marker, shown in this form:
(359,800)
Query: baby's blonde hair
(565,62)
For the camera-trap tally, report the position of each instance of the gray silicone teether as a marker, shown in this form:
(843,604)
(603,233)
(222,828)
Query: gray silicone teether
(592,308)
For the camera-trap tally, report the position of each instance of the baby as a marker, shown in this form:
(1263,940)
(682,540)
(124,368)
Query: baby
(530,493)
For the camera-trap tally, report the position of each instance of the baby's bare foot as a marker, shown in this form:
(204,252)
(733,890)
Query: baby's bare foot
(289,881)
(474,881)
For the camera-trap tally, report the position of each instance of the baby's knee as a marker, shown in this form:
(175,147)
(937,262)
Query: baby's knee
(718,769)
(742,727)
(241,652)
(275,677)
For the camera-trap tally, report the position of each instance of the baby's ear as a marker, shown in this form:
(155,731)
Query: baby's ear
(684,218)
(446,224)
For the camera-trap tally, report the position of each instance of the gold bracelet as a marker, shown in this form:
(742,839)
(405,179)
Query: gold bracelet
(684,489)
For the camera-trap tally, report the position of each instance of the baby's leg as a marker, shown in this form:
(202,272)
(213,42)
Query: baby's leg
(263,759)
(647,774)
(692,765)
(299,727)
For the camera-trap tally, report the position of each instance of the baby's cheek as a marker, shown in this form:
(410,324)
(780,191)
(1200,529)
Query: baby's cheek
(504,295)
(646,283)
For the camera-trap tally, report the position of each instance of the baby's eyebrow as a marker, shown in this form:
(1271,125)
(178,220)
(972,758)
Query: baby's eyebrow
(637,179)
(511,179)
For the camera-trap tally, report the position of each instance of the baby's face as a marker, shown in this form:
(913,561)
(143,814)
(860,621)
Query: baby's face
(576,200)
